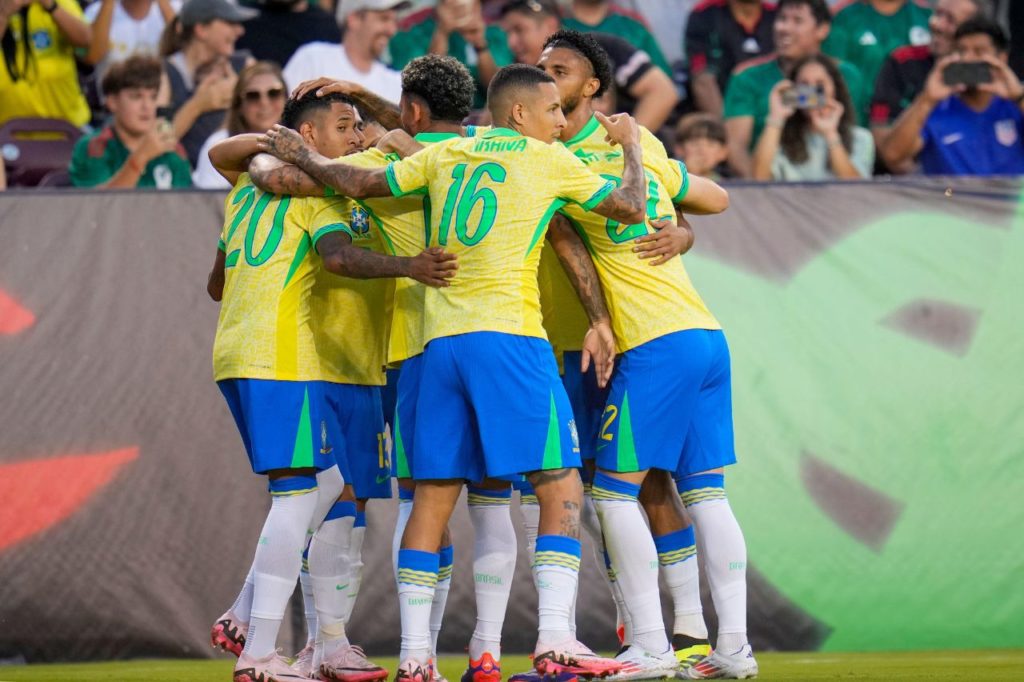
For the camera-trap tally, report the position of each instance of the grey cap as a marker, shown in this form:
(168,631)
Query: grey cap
(347,7)
(204,11)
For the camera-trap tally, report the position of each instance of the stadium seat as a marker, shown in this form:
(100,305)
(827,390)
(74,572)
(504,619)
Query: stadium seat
(33,147)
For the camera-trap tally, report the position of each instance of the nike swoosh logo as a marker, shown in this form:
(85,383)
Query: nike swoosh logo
(602,446)
(953,138)
(382,479)
(341,587)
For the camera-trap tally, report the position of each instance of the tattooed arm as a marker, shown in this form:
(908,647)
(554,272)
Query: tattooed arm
(628,203)
(358,183)
(277,177)
(599,341)
(432,267)
(370,104)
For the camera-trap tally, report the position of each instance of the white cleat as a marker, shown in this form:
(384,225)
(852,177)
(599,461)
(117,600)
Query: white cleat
(640,664)
(721,666)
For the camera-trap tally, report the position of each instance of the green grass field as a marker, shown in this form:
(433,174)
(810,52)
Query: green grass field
(975,666)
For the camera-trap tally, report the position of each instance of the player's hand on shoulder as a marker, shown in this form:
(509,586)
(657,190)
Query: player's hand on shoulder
(621,128)
(434,267)
(282,142)
(668,241)
(399,142)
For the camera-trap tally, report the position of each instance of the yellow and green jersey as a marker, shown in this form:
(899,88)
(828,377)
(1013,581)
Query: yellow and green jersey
(565,320)
(351,316)
(265,328)
(644,301)
(491,198)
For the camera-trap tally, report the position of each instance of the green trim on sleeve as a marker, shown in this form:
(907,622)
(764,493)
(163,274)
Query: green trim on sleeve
(221,246)
(330,192)
(599,196)
(327,229)
(686,183)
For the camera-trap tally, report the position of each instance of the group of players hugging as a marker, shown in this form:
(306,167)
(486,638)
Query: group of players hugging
(526,279)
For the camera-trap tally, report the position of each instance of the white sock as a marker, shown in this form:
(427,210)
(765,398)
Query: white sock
(530,508)
(634,557)
(494,565)
(330,575)
(592,525)
(277,563)
(404,511)
(308,601)
(556,570)
(417,576)
(355,563)
(677,554)
(440,600)
(725,555)
(243,602)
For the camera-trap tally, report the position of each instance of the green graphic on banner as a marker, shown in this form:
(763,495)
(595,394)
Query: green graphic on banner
(880,428)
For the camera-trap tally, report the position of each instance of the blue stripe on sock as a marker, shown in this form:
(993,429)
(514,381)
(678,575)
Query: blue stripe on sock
(447,556)
(292,484)
(405,493)
(615,485)
(341,510)
(700,481)
(418,560)
(558,543)
(675,541)
(607,559)
(360,519)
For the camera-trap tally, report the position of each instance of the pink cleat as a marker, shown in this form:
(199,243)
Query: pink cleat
(303,662)
(228,633)
(350,665)
(273,668)
(571,656)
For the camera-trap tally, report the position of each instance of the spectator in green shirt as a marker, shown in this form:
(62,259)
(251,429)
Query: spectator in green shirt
(454,28)
(866,31)
(800,28)
(137,149)
(604,16)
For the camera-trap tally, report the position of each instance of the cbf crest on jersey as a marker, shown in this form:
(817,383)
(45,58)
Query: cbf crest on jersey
(1006,132)
(360,222)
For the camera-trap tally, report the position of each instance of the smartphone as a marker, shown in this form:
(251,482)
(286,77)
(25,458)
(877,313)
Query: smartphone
(967,73)
(165,112)
(804,97)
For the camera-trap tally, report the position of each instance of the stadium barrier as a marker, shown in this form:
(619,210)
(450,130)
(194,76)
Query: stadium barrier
(877,344)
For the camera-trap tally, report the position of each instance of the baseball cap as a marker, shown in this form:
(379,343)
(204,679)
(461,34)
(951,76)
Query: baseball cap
(204,11)
(347,7)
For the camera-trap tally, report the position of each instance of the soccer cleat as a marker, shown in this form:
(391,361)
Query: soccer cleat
(534,676)
(350,665)
(228,633)
(640,664)
(484,669)
(273,668)
(302,664)
(690,650)
(571,656)
(718,666)
(435,672)
(620,632)
(412,671)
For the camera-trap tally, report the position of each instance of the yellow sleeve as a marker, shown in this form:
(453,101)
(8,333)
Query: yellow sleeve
(328,215)
(672,173)
(576,182)
(412,174)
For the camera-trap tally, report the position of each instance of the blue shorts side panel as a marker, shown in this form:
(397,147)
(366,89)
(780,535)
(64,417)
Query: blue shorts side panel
(359,420)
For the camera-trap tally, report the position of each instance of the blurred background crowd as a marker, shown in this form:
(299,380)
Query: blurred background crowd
(132,93)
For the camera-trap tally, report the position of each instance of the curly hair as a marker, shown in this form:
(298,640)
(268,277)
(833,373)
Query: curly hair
(588,48)
(443,84)
(298,111)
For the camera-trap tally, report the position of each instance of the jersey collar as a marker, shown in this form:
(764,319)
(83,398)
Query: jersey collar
(586,132)
(501,132)
(434,137)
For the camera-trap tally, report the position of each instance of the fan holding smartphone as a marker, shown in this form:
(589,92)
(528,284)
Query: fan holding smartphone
(811,131)
(968,120)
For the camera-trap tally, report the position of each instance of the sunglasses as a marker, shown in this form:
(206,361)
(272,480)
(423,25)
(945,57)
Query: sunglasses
(253,96)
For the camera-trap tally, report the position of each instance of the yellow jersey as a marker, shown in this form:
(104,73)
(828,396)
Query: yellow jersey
(644,301)
(491,198)
(265,327)
(565,320)
(351,316)
(48,86)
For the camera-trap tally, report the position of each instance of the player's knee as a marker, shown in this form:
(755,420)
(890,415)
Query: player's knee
(557,486)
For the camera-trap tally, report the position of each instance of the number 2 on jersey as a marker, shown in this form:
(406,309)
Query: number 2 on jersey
(620,233)
(460,203)
(247,196)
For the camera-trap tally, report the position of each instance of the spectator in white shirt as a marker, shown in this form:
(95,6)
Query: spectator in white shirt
(122,28)
(256,105)
(366,26)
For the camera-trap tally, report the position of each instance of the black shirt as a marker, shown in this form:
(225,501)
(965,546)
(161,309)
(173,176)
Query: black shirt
(901,79)
(277,33)
(629,64)
(716,43)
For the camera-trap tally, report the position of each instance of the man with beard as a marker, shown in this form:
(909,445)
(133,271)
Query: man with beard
(367,26)
(283,26)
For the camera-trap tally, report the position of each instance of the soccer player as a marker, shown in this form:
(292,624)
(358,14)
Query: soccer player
(437,95)
(489,376)
(267,365)
(655,418)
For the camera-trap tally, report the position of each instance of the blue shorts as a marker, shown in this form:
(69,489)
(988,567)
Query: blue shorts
(355,423)
(670,406)
(404,424)
(587,400)
(283,423)
(491,405)
(388,397)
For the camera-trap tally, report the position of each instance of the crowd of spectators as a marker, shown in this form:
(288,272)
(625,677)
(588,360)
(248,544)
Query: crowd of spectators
(792,90)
